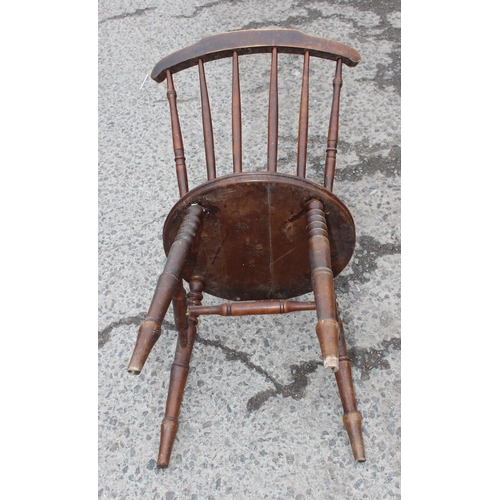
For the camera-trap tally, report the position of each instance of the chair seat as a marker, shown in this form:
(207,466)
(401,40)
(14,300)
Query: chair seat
(253,242)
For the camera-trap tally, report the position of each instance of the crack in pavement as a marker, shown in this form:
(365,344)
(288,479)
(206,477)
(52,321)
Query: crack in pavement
(361,357)
(137,12)
(295,389)
(104,336)
(199,8)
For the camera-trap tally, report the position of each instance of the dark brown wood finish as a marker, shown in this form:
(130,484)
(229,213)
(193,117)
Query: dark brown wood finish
(327,327)
(256,239)
(254,307)
(208,134)
(254,42)
(303,119)
(236,116)
(178,376)
(352,417)
(180,160)
(179,303)
(167,286)
(260,217)
(333,129)
(272,129)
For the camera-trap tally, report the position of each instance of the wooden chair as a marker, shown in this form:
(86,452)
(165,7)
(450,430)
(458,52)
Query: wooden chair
(254,238)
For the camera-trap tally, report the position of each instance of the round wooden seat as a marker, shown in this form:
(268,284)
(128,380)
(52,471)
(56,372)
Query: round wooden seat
(252,243)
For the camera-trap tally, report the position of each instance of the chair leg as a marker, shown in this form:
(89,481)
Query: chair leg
(150,328)
(327,328)
(352,417)
(178,377)
(179,303)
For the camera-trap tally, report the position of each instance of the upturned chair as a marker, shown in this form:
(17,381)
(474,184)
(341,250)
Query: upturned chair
(256,238)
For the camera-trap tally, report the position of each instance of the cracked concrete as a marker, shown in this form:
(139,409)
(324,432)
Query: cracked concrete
(260,416)
(137,12)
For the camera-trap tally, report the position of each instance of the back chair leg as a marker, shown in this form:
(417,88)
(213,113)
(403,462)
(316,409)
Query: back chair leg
(327,327)
(169,280)
(352,417)
(179,303)
(178,377)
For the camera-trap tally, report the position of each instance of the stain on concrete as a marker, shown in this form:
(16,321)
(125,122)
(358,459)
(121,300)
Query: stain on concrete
(364,261)
(295,389)
(390,165)
(105,334)
(369,359)
(363,358)
(373,159)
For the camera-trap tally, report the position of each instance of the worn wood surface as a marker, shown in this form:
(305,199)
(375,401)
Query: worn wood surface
(327,327)
(253,307)
(288,41)
(253,241)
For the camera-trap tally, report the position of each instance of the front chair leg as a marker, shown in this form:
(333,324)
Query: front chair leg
(169,280)
(352,417)
(178,377)
(327,327)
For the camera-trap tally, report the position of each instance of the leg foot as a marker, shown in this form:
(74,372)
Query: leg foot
(352,422)
(178,377)
(149,333)
(168,433)
(352,417)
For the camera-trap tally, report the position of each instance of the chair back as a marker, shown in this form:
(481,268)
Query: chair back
(238,43)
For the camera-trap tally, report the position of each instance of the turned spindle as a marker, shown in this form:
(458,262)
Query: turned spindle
(327,328)
(178,376)
(169,280)
(333,128)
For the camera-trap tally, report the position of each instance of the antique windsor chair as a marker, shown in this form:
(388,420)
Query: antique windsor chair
(256,238)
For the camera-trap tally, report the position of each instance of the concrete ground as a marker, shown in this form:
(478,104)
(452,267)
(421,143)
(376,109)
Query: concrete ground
(260,417)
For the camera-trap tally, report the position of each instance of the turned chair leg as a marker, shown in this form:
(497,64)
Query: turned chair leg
(327,327)
(352,417)
(178,375)
(169,280)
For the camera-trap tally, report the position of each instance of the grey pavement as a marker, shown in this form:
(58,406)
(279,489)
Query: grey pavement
(260,418)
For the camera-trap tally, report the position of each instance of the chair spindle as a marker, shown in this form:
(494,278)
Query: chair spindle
(206,116)
(303,119)
(282,306)
(180,160)
(272,145)
(333,129)
(236,116)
